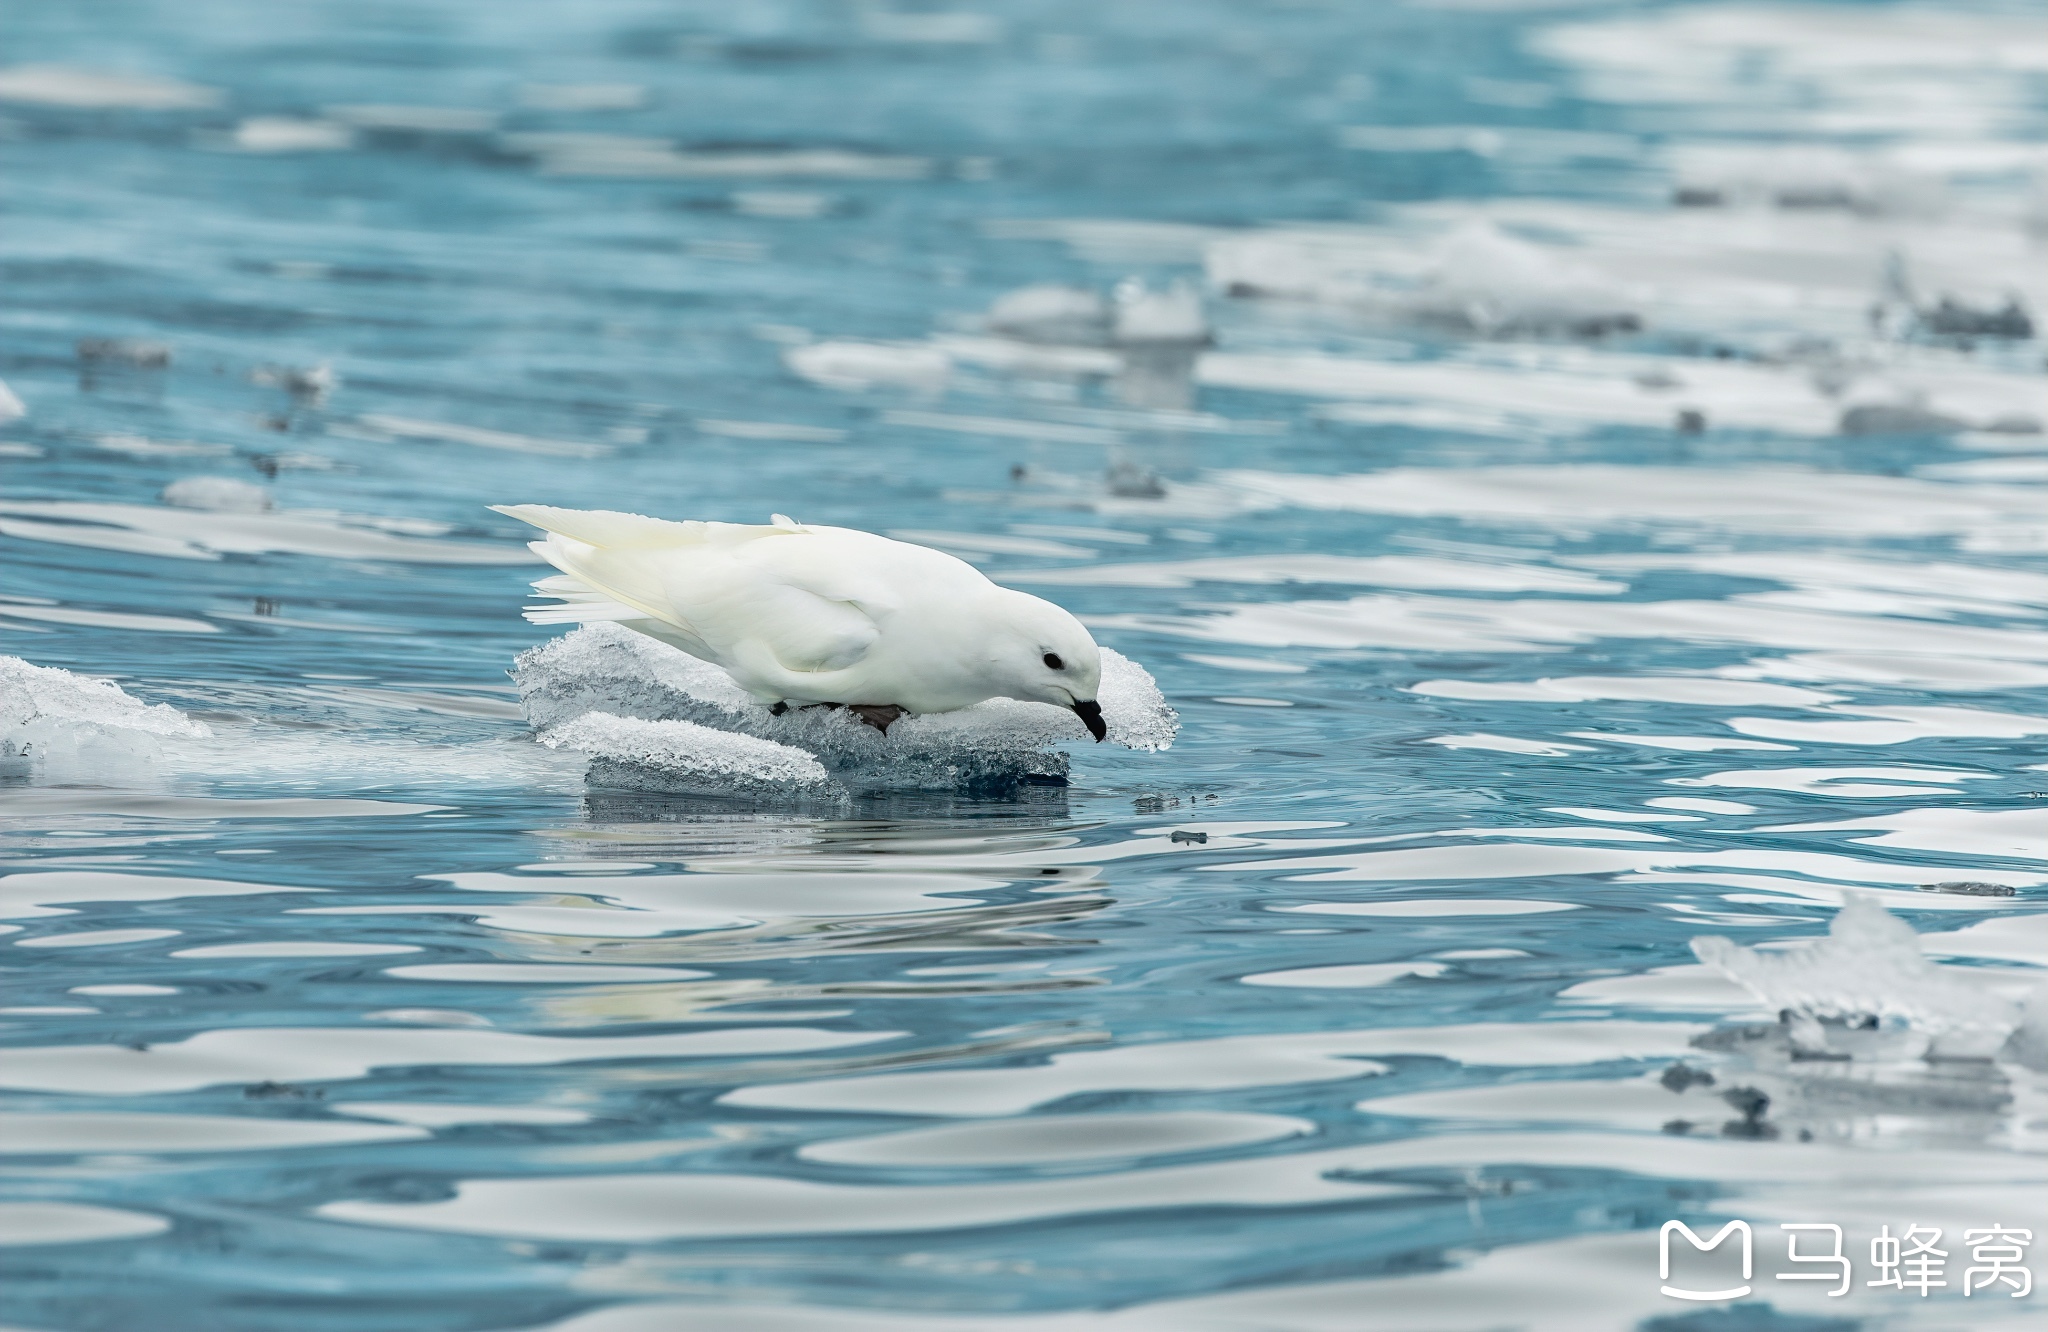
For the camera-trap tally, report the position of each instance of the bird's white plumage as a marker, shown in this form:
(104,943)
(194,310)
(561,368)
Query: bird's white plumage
(814,614)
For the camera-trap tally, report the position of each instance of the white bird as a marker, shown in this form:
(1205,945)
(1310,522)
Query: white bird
(803,616)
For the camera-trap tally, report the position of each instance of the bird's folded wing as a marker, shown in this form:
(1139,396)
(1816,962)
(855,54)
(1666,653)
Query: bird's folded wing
(816,603)
(798,630)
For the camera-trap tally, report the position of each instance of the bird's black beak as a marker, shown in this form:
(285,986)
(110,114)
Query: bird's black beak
(1090,713)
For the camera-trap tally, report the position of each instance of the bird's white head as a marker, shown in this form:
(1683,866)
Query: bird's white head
(1042,654)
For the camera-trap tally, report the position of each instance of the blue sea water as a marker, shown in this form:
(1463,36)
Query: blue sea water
(1600,505)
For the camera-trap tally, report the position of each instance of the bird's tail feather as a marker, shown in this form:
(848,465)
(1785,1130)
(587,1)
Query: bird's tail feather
(606,573)
(582,603)
(585,601)
(607,529)
(583,614)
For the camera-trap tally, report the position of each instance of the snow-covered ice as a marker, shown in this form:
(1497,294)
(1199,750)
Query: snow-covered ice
(686,758)
(1870,967)
(654,718)
(1478,279)
(60,726)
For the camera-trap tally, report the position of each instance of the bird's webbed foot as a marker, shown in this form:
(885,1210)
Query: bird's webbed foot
(879,715)
(782,708)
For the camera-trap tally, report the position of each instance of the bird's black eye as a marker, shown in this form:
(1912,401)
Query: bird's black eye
(1052,659)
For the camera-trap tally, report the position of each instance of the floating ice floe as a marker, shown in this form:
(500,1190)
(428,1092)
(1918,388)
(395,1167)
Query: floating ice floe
(864,365)
(1936,71)
(576,153)
(217,494)
(686,757)
(58,85)
(654,718)
(1050,312)
(311,385)
(1161,334)
(59,726)
(290,134)
(1870,968)
(1478,280)
(1147,340)
(1795,177)
(1710,273)
(1171,316)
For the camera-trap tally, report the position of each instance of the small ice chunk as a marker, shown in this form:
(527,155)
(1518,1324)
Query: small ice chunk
(865,365)
(92,89)
(1869,966)
(1161,334)
(1500,285)
(1898,418)
(1138,715)
(28,691)
(1959,319)
(1479,280)
(686,758)
(307,384)
(62,727)
(217,494)
(291,134)
(1147,316)
(1050,312)
(1970,888)
(607,668)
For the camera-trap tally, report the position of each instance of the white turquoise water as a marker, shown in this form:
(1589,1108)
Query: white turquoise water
(1575,470)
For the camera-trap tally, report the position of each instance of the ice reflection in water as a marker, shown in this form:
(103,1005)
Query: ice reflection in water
(1567,525)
